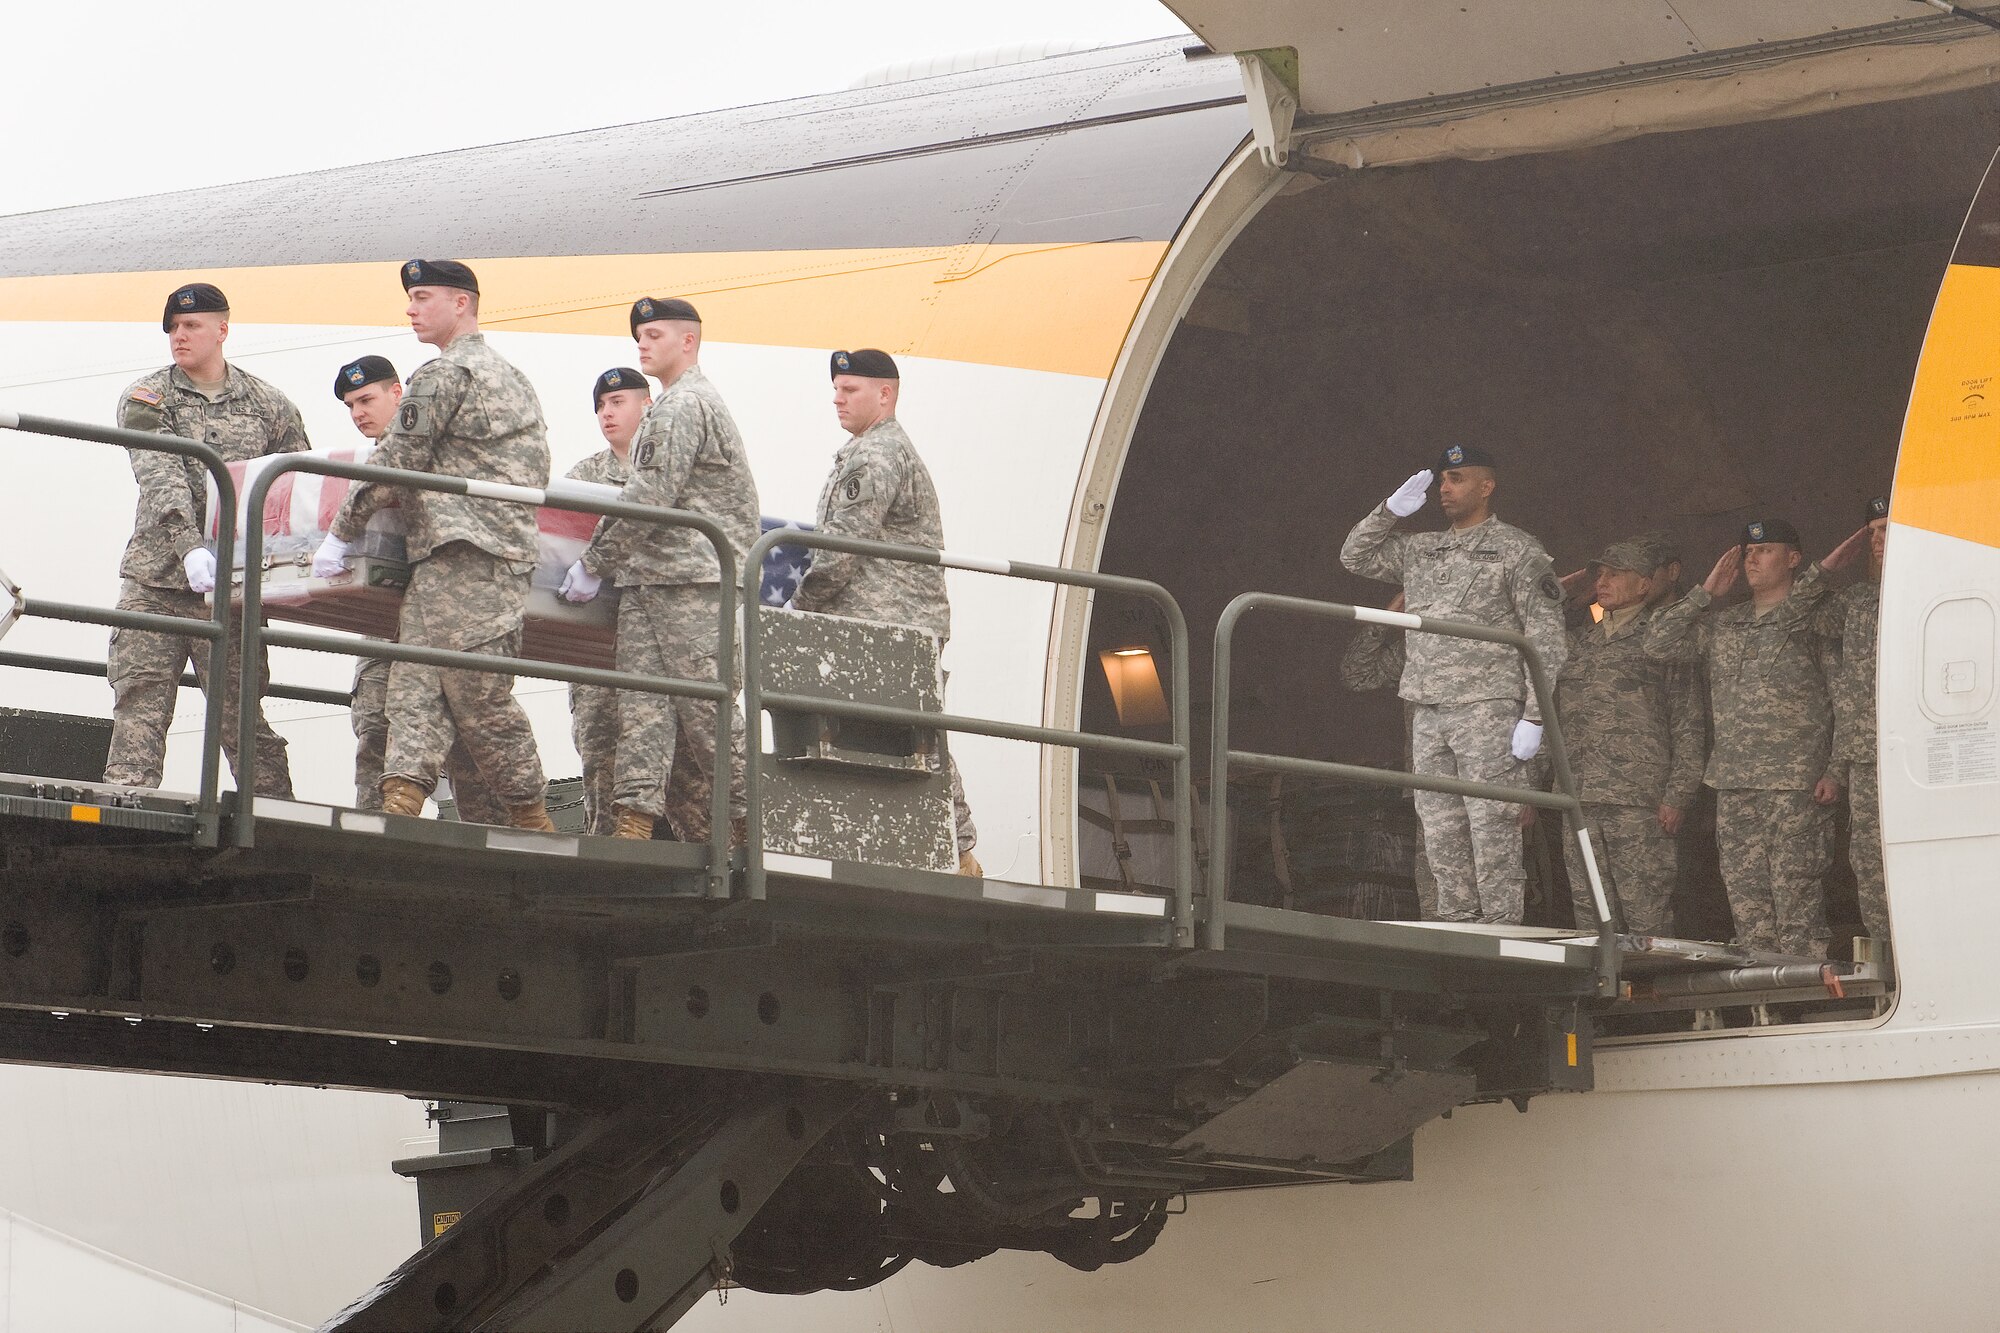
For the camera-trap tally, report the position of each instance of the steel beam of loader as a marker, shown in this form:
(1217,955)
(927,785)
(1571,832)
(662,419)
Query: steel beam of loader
(625,1227)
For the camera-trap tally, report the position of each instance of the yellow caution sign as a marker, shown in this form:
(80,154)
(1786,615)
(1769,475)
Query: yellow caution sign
(443,1222)
(85,814)
(1572,1050)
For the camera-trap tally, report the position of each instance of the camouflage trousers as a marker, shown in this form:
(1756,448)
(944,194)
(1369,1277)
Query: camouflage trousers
(1474,846)
(1864,847)
(1775,846)
(593,726)
(368,709)
(670,631)
(964,831)
(1641,862)
(463,598)
(145,673)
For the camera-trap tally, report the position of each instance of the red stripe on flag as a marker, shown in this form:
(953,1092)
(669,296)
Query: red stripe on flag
(566,523)
(278,506)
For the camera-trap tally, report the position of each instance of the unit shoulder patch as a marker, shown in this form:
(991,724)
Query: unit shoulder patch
(1551,587)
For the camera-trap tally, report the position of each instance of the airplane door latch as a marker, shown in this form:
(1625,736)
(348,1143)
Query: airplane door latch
(1271,87)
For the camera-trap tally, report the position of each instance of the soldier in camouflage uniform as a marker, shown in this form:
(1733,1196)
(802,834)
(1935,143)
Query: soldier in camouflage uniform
(880,489)
(369,390)
(468,413)
(1850,619)
(1771,761)
(687,455)
(1374,661)
(167,567)
(620,398)
(1638,738)
(1474,714)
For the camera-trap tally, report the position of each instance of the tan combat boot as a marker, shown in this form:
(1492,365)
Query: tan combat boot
(968,864)
(631,823)
(400,796)
(531,815)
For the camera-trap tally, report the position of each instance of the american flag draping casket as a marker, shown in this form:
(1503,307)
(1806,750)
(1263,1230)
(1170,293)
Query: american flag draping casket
(366,599)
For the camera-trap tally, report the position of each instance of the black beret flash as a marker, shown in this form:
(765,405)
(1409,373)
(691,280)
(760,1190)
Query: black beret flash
(649,308)
(439,273)
(867,363)
(194,299)
(359,374)
(615,379)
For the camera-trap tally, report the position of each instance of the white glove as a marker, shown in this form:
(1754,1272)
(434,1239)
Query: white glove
(1527,739)
(200,566)
(331,558)
(579,585)
(1409,497)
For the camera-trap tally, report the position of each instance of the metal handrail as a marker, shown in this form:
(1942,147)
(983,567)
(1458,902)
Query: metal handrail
(78,666)
(1221,757)
(208,818)
(1179,751)
(559,494)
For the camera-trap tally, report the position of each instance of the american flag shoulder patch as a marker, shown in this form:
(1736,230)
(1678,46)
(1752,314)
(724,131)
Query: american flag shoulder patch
(144,395)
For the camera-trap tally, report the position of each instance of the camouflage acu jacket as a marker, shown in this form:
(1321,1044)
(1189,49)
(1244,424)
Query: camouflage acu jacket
(1489,574)
(467,413)
(1766,682)
(879,489)
(603,467)
(1373,660)
(688,455)
(1851,619)
(1635,727)
(249,419)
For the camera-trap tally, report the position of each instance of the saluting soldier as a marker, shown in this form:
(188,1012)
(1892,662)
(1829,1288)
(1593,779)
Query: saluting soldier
(1851,618)
(1473,708)
(688,455)
(1638,739)
(167,565)
(370,391)
(1771,761)
(467,413)
(880,490)
(619,397)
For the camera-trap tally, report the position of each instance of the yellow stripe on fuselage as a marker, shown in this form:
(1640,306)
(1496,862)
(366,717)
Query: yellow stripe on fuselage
(1062,308)
(1948,473)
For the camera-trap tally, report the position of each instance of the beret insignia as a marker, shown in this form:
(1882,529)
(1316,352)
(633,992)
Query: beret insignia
(1756,531)
(355,374)
(413,270)
(840,359)
(645,308)
(150,397)
(1878,508)
(612,380)
(187,300)
(1454,455)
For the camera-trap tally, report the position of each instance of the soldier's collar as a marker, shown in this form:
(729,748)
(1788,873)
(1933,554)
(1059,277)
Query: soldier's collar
(232,379)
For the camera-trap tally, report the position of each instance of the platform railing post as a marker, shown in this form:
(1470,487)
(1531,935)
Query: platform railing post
(215,632)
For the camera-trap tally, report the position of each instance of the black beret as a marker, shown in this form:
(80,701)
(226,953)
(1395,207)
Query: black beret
(360,374)
(649,308)
(614,379)
(1770,530)
(194,299)
(1878,508)
(868,363)
(439,273)
(1464,455)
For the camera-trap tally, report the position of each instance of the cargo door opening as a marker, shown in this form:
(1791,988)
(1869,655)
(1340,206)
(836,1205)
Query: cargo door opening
(1674,333)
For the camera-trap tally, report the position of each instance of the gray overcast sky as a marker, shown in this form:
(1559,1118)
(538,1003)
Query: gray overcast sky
(117,98)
